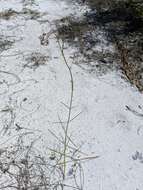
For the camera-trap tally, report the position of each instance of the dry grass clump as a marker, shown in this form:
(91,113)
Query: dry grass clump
(22,167)
(35,60)
(30,14)
(8,14)
(5,43)
(25,12)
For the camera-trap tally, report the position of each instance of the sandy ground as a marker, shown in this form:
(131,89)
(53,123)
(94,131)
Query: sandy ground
(105,127)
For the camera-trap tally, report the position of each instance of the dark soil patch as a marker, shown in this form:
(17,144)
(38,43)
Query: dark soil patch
(90,43)
(114,24)
(117,21)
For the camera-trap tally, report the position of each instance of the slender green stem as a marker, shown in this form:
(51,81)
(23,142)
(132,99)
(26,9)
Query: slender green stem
(70,106)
